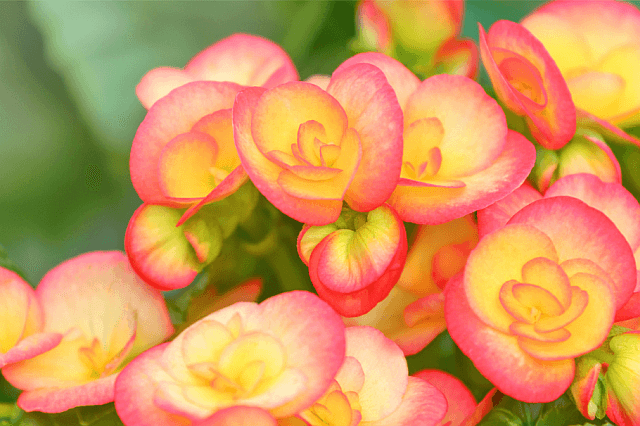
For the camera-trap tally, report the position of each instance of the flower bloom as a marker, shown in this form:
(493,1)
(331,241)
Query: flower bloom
(612,199)
(539,292)
(528,81)
(22,321)
(412,315)
(602,72)
(354,262)
(280,355)
(372,388)
(458,154)
(307,149)
(241,58)
(107,315)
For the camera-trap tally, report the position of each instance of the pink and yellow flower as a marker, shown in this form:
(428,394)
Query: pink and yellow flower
(280,355)
(596,46)
(412,315)
(528,82)
(21,335)
(107,316)
(458,154)
(241,58)
(539,292)
(372,388)
(307,149)
(355,262)
(612,199)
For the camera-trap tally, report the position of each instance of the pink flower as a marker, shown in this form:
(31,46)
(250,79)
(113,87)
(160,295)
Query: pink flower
(354,262)
(528,82)
(458,154)
(307,150)
(280,355)
(107,316)
(539,292)
(241,58)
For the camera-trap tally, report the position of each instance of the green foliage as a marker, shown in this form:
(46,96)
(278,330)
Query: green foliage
(101,415)
(512,412)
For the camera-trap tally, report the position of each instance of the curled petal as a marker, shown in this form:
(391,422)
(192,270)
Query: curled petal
(527,79)
(354,270)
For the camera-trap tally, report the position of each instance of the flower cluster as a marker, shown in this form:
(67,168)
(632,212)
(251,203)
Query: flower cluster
(523,243)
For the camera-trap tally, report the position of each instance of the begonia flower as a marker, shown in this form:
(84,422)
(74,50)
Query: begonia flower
(585,153)
(373,388)
(280,355)
(355,262)
(596,45)
(612,199)
(241,58)
(607,380)
(412,315)
(21,335)
(107,316)
(458,154)
(183,154)
(539,292)
(307,149)
(528,82)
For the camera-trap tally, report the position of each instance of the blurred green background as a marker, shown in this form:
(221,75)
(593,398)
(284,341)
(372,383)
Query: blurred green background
(68,110)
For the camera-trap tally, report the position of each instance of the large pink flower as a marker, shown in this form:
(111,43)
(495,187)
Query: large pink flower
(307,150)
(280,355)
(107,315)
(539,292)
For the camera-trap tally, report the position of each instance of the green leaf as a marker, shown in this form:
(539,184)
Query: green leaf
(501,417)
